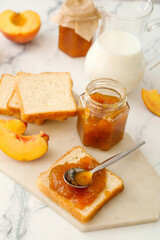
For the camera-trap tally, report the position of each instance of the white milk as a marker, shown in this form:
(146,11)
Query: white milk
(116,55)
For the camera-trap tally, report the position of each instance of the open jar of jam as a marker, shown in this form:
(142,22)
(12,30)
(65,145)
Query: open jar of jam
(102,114)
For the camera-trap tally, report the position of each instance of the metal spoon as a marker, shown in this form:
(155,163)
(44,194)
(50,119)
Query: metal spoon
(69,175)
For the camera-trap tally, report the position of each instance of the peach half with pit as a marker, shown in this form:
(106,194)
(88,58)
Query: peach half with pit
(20,27)
(14,125)
(23,148)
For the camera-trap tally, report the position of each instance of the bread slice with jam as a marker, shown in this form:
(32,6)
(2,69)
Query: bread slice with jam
(82,207)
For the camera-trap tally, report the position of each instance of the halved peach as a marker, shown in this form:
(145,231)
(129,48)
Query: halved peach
(20,27)
(152,100)
(15,125)
(23,148)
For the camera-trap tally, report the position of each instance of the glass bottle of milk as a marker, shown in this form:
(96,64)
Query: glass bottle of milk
(117,51)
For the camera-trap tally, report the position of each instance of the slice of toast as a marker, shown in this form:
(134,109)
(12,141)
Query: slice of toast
(7,84)
(14,106)
(45,96)
(114,185)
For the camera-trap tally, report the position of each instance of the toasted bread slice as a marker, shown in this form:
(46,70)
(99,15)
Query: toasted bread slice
(7,84)
(45,96)
(114,185)
(14,106)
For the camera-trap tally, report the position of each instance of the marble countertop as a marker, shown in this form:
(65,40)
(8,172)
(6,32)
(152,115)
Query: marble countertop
(22,216)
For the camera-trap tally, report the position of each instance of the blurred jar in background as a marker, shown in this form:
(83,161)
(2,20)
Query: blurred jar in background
(78,22)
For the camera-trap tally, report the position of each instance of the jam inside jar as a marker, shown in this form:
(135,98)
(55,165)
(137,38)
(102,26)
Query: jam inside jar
(71,43)
(102,114)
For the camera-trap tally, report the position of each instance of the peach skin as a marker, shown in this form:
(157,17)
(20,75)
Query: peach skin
(23,148)
(20,27)
(152,100)
(15,125)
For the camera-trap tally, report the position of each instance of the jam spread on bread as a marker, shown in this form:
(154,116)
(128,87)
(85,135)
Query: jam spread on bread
(80,197)
(102,126)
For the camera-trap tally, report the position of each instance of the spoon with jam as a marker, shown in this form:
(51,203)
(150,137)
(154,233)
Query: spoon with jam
(79,178)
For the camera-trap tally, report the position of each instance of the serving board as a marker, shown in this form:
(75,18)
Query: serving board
(138,203)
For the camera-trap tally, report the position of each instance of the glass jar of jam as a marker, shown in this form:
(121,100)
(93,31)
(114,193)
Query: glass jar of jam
(102,114)
(71,43)
(78,22)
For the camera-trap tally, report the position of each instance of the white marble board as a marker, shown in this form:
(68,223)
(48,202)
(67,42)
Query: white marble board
(138,203)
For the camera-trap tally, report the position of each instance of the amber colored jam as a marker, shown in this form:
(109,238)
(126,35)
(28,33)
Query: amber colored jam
(83,178)
(71,43)
(105,128)
(80,197)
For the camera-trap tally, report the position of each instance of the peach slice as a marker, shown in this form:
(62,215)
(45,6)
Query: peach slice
(20,27)
(23,148)
(15,125)
(152,100)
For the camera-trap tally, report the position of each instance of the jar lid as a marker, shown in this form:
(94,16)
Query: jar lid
(80,15)
(79,8)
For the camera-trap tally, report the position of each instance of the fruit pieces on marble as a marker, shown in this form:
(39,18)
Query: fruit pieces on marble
(151,99)
(20,27)
(14,125)
(23,148)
